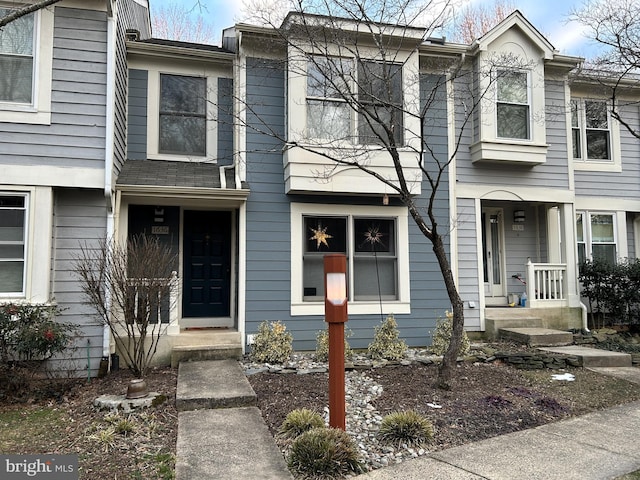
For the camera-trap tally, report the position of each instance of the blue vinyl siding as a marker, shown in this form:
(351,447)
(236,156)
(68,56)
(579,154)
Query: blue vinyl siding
(137,115)
(79,219)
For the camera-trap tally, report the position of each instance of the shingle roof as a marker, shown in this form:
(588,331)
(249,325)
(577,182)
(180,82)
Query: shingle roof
(163,173)
(175,43)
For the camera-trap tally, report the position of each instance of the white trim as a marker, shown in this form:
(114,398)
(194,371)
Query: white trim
(45,175)
(612,204)
(480,253)
(39,112)
(242,273)
(453,200)
(514,193)
(636,235)
(400,306)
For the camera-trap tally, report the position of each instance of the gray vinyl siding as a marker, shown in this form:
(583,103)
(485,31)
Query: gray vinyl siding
(552,174)
(225,121)
(79,219)
(468,281)
(268,284)
(135,17)
(137,115)
(76,136)
(619,185)
(120,100)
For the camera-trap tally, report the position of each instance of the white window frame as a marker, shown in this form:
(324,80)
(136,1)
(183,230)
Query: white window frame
(499,73)
(402,305)
(614,162)
(153,115)
(587,233)
(39,110)
(25,242)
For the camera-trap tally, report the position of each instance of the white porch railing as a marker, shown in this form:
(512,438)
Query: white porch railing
(165,307)
(546,284)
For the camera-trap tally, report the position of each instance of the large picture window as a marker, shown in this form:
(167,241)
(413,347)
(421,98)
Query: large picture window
(183,118)
(596,237)
(512,104)
(590,130)
(16,59)
(328,114)
(380,94)
(370,246)
(13,211)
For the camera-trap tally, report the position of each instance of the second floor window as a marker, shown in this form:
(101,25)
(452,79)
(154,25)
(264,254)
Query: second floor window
(512,104)
(16,59)
(328,114)
(380,94)
(183,117)
(590,132)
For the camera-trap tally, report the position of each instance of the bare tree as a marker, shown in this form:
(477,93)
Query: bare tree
(177,22)
(18,12)
(474,20)
(130,288)
(615,24)
(355,54)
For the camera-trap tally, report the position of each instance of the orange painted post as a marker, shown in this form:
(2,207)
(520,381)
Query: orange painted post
(335,312)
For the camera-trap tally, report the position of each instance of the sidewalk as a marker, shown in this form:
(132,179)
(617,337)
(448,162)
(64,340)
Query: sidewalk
(223,436)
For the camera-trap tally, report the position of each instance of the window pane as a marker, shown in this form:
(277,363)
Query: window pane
(380,83)
(602,228)
(596,114)
(575,141)
(328,120)
(326,77)
(11,277)
(325,234)
(16,79)
(375,277)
(512,87)
(579,227)
(313,277)
(179,94)
(374,235)
(574,114)
(11,225)
(597,144)
(582,254)
(17,36)
(375,133)
(183,134)
(606,252)
(513,121)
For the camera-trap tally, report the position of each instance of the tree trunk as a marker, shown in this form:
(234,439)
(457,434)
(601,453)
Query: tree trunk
(447,367)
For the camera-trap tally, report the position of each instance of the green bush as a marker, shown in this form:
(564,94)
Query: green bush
(324,453)
(299,421)
(272,343)
(322,345)
(386,342)
(30,332)
(442,337)
(408,427)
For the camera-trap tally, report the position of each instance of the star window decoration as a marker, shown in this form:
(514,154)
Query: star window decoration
(321,236)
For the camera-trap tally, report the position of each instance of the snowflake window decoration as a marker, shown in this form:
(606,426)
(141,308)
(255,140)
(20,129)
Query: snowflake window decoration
(373,236)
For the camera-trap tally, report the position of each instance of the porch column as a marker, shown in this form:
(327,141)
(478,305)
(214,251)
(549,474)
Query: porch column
(569,253)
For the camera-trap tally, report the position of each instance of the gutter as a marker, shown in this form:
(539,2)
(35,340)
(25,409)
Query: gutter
(109,151)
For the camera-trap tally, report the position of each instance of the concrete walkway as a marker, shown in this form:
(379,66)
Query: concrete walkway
(220,437)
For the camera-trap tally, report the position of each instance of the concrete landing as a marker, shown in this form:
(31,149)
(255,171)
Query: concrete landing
(227,444)
(213,384)
(536,336)
(594,357)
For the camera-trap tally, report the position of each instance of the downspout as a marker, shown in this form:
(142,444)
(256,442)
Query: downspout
(109,151)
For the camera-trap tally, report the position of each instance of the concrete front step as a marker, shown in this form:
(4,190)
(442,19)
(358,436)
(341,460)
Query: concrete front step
(191,353)
(494,323)
(536,337)
(593,357)
(213,384)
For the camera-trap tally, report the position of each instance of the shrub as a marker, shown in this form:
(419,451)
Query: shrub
(30,332)
(324,453)
(322,345)
(442,337)
(298,422)
(407,427)
(272,343)
(386,342)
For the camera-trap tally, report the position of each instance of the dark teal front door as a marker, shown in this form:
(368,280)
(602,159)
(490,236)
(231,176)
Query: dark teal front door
(207,264)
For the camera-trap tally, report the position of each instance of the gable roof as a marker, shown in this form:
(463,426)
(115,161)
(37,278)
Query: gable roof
(516,19)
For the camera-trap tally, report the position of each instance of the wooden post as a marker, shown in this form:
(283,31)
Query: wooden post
(335,311)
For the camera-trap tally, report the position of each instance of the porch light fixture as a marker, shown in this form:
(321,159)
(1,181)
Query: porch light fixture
(335,313)
(518,216)
(385,199)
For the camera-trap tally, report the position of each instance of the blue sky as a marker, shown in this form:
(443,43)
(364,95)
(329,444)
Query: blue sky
(548,16)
